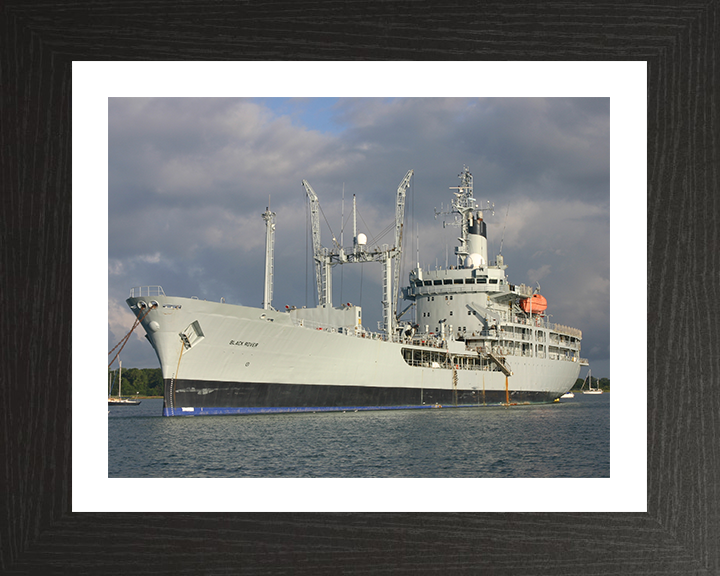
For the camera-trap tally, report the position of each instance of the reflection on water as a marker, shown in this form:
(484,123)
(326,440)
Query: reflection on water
(570,439)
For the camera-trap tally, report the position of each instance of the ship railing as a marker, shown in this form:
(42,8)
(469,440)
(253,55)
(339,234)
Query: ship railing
(561,356)
(146,291)
(540,322)
(425,341)
(567,330)
(315,325)
(357,332)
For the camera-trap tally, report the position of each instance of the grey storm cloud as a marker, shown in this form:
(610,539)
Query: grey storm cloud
(189,178)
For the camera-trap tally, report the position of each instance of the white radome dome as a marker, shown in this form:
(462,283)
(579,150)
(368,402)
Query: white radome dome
(361,239)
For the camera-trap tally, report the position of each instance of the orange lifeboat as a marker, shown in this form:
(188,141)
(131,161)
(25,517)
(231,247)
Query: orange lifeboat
(534,305)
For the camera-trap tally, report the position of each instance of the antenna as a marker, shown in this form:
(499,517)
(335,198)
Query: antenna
(502,238)
(354,225)
(417,241)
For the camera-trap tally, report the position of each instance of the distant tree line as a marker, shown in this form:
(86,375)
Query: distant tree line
(603,382)
(138,382)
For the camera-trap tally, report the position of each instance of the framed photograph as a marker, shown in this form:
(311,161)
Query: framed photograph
(655,512)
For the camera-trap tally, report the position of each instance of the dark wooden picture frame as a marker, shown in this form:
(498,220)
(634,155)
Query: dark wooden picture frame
(39,534)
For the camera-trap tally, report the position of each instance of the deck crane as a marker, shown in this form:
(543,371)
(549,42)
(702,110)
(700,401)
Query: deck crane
(399,224)
(325,259)
(323,274)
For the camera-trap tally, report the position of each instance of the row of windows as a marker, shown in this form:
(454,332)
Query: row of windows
(427,314)
(486,280)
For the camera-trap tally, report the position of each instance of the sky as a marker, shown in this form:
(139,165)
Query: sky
(190,177)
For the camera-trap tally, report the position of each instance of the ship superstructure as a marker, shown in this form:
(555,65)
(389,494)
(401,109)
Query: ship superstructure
(476,339)
(474,303)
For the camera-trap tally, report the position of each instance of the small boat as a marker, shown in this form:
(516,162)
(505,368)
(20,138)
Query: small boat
(568,395)
(118,400)
(535,304)
(590,389)
(122,402)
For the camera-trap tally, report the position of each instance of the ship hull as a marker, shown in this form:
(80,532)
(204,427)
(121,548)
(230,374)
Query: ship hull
(219,358)
(197,397)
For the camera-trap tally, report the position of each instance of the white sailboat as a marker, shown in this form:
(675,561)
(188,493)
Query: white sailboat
(119,400)
(590,389)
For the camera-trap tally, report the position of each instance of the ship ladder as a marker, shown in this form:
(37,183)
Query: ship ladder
(177,370)
(500,364)
(125,338)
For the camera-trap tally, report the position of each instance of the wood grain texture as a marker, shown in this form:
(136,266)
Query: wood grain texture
(679,535)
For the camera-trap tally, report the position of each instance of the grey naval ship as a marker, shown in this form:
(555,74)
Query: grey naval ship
(474,339)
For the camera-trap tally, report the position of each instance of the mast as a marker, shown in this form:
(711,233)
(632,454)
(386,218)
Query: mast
(269,218)
(472,251)
(388,316)
(355,239)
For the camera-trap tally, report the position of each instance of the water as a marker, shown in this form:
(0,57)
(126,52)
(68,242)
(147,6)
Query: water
(568,439)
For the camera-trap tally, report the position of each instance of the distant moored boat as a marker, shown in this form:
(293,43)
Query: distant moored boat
(118,400)
(590,389)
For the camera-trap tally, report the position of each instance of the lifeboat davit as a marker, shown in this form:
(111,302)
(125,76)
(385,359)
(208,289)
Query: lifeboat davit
(534,305)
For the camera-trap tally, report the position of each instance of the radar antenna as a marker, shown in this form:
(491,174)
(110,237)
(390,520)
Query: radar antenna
(462,207)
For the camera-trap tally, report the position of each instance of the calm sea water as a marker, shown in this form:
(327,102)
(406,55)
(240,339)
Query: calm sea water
(569,439)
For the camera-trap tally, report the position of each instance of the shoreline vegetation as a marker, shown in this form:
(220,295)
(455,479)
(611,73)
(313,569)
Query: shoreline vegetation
(138,383)
(148,383)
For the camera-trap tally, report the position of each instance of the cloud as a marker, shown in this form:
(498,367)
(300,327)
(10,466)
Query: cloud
(537,275)
(189,178)
(120,321)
